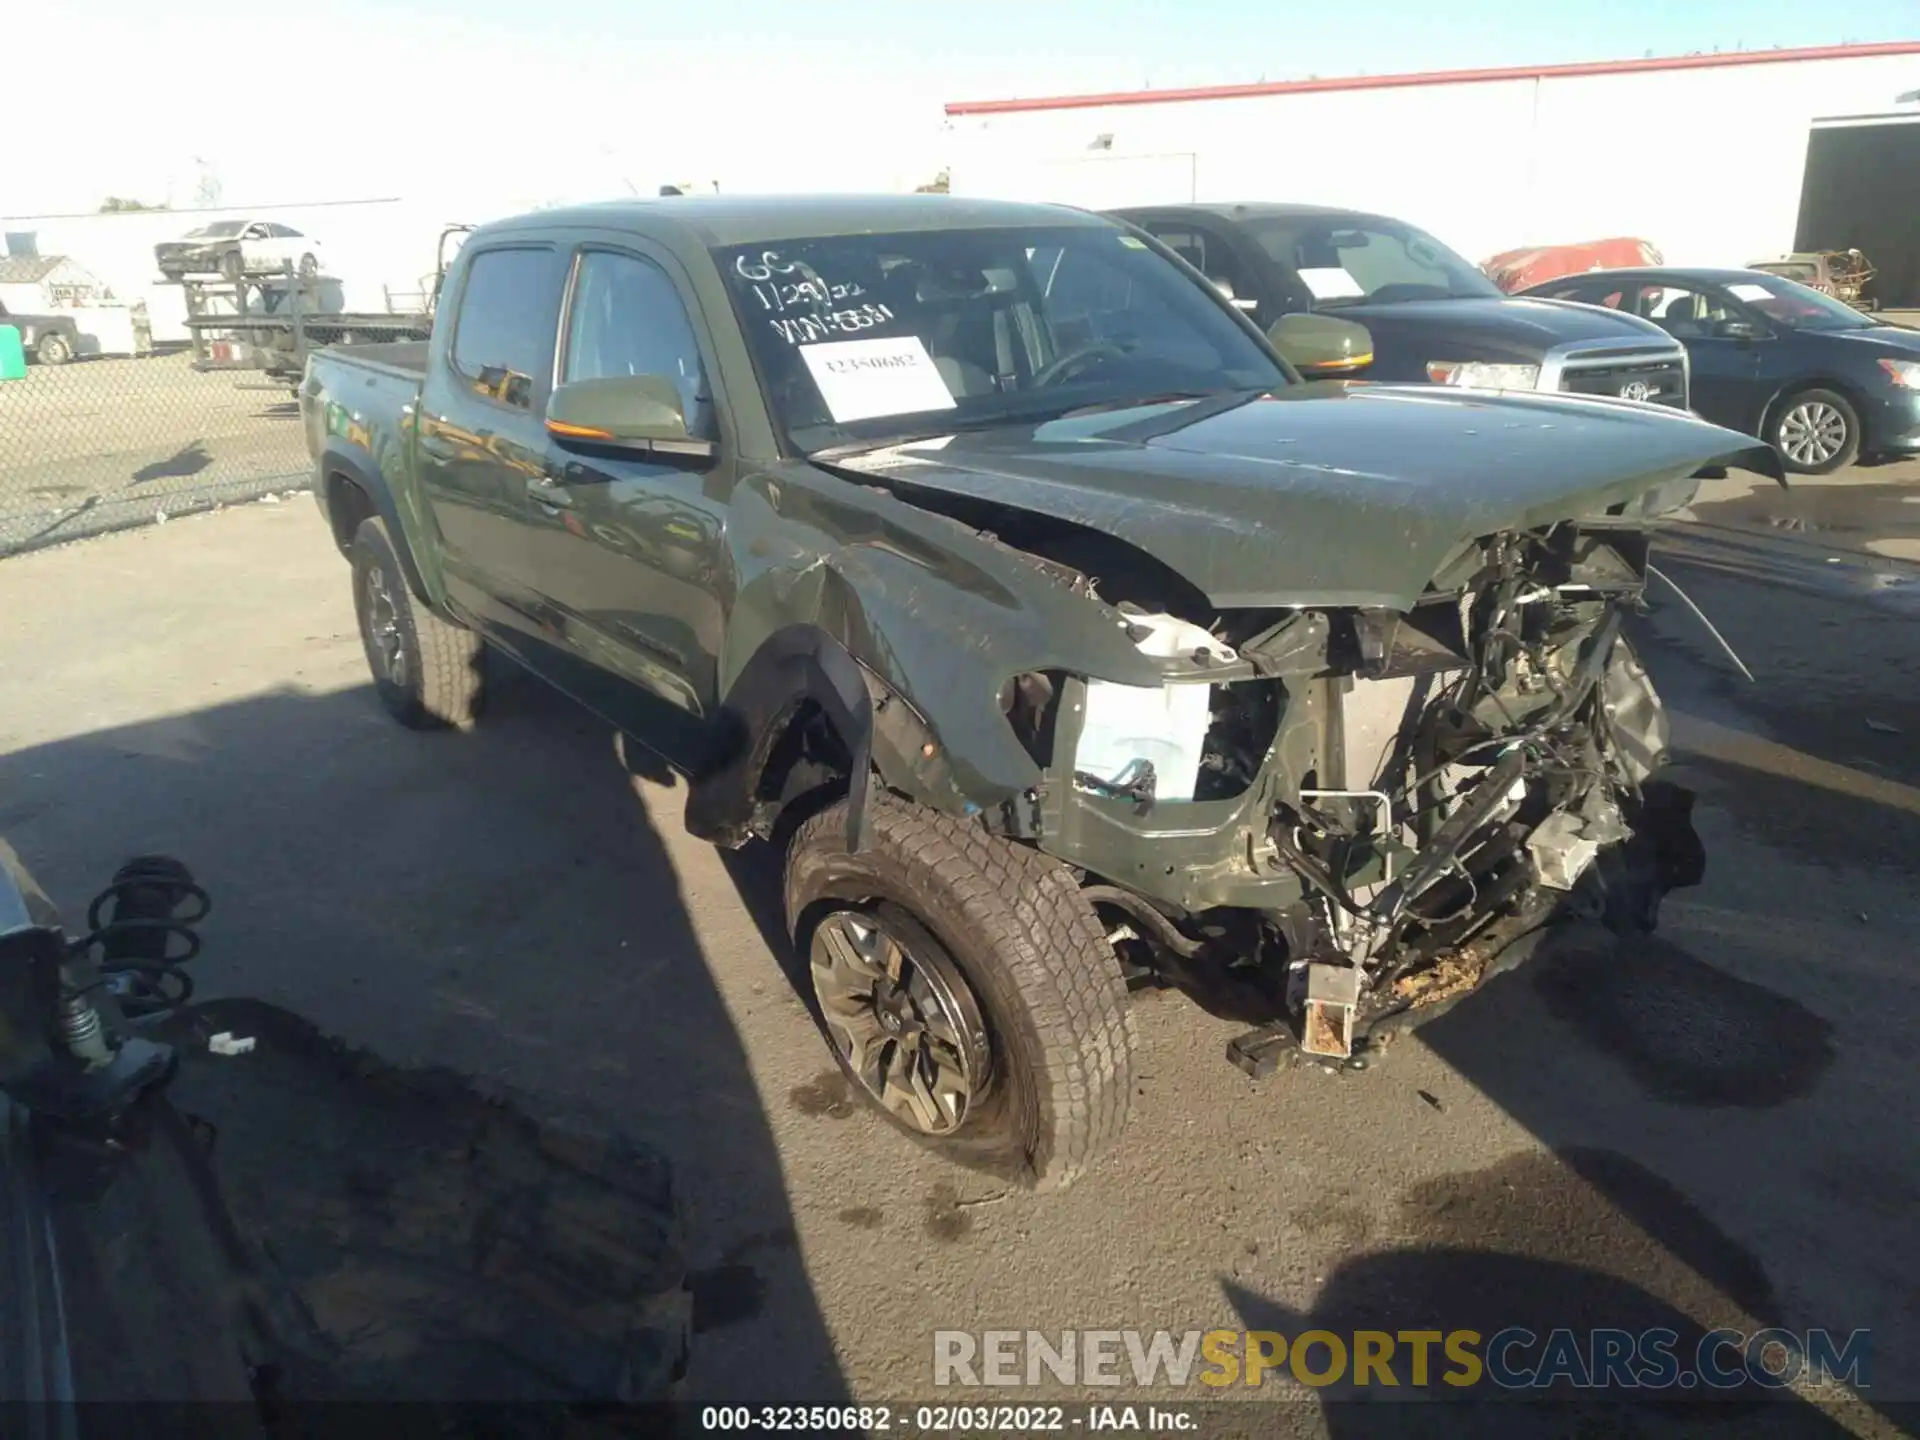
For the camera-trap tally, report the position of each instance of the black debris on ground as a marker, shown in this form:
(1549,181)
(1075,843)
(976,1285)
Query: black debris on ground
(412,1240)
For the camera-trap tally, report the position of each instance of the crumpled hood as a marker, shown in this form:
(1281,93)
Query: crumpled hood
(1325,494)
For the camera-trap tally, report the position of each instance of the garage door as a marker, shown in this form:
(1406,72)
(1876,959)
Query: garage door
(1862,191)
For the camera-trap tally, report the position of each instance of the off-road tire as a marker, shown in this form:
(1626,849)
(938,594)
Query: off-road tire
(445,682)
(53,348)
(1048,985)
(1834,403)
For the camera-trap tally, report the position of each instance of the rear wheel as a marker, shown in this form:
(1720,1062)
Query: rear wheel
(309,267)
(233,265)
(1816,432)
(967,990)
(429,672)
(53,349)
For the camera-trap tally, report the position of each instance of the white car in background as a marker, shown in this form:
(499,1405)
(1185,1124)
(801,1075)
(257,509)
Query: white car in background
(234,248)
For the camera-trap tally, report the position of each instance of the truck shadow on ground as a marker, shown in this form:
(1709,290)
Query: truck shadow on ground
(492,902)
(1636,1282)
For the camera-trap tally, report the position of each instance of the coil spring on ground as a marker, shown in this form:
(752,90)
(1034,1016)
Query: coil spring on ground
(140,962)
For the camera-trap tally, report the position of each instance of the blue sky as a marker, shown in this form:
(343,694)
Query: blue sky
(577,97)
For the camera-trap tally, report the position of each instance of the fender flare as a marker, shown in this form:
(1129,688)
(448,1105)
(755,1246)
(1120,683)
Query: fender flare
(338,462)
(794,665)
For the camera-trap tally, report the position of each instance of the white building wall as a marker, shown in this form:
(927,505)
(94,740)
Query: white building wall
(23,299)
(1706,162)
(372,248)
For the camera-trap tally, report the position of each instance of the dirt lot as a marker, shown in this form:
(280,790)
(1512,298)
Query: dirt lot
(102,442)
(1715,1130)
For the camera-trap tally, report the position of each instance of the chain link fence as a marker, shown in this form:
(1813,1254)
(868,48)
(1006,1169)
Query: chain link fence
(99,444)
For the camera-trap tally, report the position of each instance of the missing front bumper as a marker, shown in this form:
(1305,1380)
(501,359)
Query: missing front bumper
(1620,887)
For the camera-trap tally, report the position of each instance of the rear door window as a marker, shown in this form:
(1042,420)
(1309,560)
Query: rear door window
(1684,313)
(503,337)
(1208,252)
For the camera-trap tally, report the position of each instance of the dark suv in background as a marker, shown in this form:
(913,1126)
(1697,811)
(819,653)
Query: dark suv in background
(1431,314)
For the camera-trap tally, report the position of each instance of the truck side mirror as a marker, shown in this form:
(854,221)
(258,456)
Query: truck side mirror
(1319,346)
(636,413)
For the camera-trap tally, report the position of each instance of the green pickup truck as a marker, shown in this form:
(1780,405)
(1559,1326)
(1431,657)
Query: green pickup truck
(1067,638)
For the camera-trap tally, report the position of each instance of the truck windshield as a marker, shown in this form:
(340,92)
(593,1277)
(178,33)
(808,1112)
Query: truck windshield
(873,338)
(1335,261)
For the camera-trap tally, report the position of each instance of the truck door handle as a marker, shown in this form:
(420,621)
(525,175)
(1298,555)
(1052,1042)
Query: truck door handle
(547,491)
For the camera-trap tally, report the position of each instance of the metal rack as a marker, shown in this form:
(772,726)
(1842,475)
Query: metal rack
(271,322)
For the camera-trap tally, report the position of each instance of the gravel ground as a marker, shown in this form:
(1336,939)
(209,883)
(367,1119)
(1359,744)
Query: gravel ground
(102,443)
(1713,1130)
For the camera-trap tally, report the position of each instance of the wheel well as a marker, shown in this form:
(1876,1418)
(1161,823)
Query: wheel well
(809,767)
(1800,387)
(347,505)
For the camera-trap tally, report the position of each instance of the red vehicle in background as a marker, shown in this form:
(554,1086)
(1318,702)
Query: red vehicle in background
(1516,270)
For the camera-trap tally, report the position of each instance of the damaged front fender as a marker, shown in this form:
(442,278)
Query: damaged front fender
(905,628)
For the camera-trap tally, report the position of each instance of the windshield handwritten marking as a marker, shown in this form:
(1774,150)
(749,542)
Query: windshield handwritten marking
(805,329)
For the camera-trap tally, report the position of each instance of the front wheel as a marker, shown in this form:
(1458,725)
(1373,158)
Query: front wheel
(1816,432)
(309,267)
(53,349)
(967,990)
(233,265)
(429,672)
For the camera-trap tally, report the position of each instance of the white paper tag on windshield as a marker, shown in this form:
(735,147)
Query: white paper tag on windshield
(860,379)
(1750,291)
(1331,283)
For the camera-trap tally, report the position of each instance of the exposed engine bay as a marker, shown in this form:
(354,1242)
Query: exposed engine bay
(1364,814)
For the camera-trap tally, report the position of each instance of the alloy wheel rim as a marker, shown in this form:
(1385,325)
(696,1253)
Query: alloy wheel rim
(383,628)
(1813,433)
(904,1020)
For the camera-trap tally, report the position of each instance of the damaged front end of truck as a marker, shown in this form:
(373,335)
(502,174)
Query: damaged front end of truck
(1354,795)
(1383,809)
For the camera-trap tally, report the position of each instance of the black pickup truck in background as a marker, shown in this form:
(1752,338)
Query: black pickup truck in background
(1432,315)
(50,339)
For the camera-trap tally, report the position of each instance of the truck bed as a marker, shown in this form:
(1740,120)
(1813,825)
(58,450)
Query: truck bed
(358,399)
(405,357)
